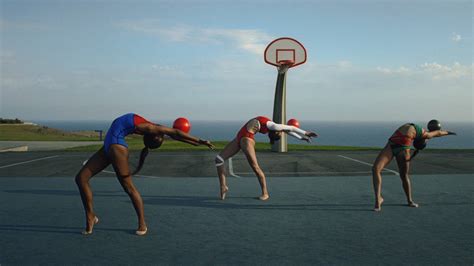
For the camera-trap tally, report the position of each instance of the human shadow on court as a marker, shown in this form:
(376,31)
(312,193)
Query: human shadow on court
(213,202)
(75,193)
(54,229)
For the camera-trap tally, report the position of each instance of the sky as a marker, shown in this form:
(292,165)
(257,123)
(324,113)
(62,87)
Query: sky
(366,60)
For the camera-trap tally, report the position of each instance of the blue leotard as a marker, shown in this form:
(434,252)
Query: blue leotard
(121,127)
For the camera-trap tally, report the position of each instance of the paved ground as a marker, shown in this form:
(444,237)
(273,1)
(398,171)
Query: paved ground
(45,145)
(319,212)
(201,164)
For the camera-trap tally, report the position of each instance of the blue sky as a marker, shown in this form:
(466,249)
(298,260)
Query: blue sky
(367,60)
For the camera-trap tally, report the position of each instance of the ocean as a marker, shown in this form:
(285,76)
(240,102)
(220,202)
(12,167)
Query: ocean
(365,134)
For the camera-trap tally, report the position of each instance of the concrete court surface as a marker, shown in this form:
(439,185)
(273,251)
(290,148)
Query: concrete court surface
(318,213)
(45,145)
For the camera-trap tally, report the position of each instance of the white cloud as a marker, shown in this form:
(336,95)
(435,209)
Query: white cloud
(363,93)
(177,33)
(344,64)
(400,70)
(454,71)
(164,67)
(251,40)
(314,91)
(456,37)
(433,70)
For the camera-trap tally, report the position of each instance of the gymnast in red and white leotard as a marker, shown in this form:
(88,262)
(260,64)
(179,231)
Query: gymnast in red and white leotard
(245,141)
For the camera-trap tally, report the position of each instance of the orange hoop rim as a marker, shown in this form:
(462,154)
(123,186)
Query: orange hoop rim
(286,62)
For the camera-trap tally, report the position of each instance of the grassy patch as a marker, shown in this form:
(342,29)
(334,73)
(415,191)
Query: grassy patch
(42,133)
(172,145)
(14,132)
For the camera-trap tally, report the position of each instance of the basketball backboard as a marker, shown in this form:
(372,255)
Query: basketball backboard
(285,51)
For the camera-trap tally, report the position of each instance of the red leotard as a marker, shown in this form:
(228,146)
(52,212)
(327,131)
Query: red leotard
(401,139)
(263,124)
(404,140)
(243,132)
(137,120)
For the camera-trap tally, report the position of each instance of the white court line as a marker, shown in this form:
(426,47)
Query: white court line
(231,169)
(30,161)
(305,173)
(352,159)
(110,172)
(147,176)
(234,174)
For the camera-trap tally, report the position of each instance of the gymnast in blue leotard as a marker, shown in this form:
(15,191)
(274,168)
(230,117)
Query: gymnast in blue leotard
(115,152)
(122,127)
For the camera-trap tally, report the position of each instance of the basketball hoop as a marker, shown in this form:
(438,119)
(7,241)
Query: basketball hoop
(284,65)
(287,63)
(285,51)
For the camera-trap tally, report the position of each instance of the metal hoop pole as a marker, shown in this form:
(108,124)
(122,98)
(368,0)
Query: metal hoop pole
(279,111)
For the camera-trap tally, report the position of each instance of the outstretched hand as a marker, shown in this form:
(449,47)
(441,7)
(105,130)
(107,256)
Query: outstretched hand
(451,133)
(311,134)
(207,143)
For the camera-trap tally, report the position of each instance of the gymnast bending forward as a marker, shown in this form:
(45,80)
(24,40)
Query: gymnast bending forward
(245,141)
(115,152)
(398,147)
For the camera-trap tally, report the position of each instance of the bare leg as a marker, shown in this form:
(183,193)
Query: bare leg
(248,147)
(119,158)
(94,165)
(230,150)
(384,158)
(404,166)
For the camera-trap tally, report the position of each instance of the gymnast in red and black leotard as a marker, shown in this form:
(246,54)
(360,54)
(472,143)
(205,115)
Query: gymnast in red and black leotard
(398,147)
(245,141)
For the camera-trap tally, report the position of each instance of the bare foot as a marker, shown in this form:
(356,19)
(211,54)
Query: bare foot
(141,231)
(90,225)
(413,204)
(264,197)
(378,205)
(223,192)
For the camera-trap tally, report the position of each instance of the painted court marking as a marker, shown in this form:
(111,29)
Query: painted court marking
(307,173)
(369,164)
(147,176)
(232,173)
(231,169)
(30,161)
(110,172)
(236,174)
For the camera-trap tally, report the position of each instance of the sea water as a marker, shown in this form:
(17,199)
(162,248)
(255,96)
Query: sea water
(363,134)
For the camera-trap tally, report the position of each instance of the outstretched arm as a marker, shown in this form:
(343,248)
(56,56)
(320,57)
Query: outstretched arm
(437,133)
(300,137)
(176,134)
(286,128)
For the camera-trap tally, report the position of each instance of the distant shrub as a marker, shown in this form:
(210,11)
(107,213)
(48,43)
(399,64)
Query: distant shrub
(10,121)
